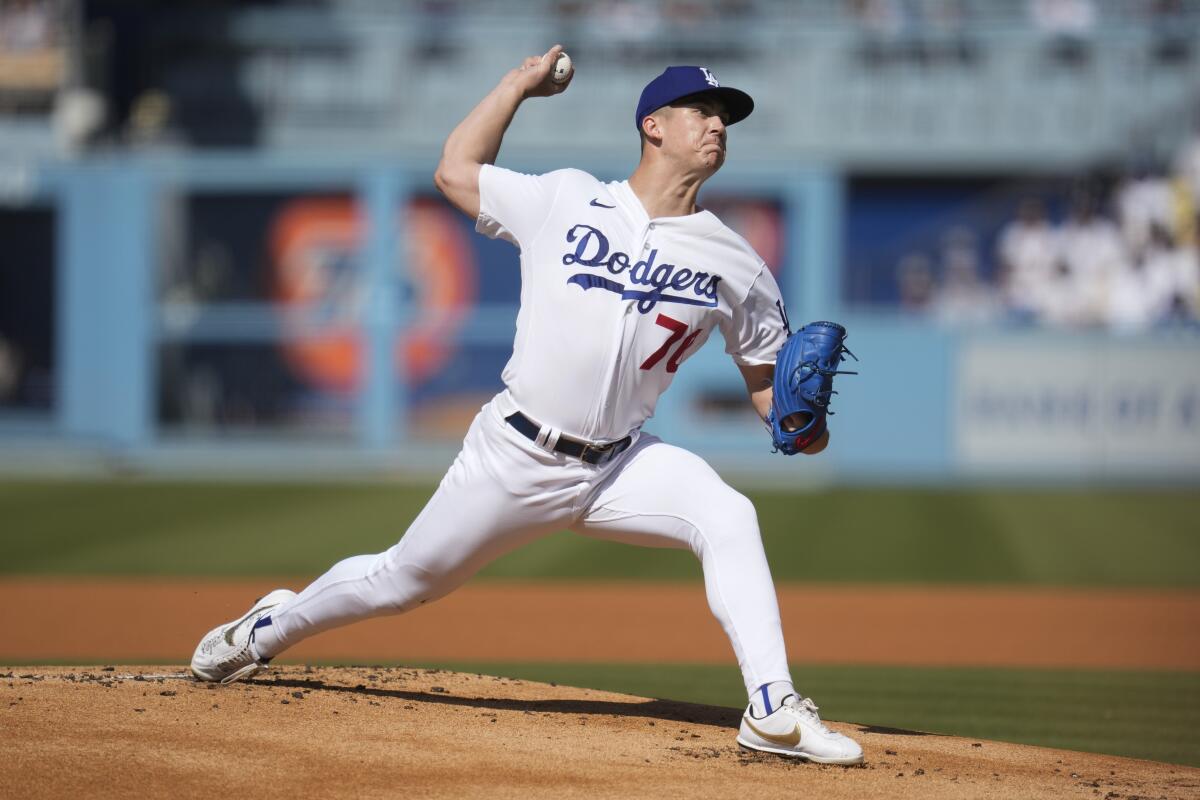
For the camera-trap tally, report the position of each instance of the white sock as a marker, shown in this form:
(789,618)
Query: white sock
(263,640)
(768,697)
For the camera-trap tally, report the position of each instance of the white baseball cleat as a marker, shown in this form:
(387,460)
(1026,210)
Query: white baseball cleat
(795,730)
(225,653)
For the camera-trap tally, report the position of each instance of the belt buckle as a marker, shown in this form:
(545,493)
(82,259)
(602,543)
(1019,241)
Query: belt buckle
(603,453)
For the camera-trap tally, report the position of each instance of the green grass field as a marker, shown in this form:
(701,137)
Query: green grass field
(1031,538)
(1133,538)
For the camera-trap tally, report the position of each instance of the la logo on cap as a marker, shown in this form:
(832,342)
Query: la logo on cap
(678,82)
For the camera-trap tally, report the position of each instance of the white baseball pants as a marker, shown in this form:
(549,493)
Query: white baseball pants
(504,491)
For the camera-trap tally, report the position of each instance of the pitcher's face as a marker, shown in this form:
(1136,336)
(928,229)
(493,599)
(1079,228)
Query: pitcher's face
(694,133)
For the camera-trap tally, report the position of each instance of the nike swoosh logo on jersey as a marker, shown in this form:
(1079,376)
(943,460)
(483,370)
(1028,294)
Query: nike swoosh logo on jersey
(786,740)
(596,202)
(229,631)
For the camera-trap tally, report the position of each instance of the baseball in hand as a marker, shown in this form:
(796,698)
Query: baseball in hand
(562,69)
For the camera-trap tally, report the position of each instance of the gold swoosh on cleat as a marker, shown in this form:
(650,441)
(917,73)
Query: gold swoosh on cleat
(787,740)
(229,631)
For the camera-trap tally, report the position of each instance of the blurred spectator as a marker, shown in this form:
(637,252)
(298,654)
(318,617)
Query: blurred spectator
(1071,18)
(924,32)
(1143,202)
(685,24)
(1094,253)
(1141,291)
(26,25)
(1132,272)
(963,298)
(881,19)
(882,25)
(1187,170)
(1131,276)
(32,63)
(736,25)
(1027,251)
(150,120)
(651,32)
(914,278)
(686,14)
(1172,30)
(942,17)
(436,22)
(944,32)
(631,27)
(78,116)
(1067,26)
(1180,264)
(1060,303)
(1162,285)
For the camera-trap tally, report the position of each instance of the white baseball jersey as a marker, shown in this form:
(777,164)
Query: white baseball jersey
(612,301)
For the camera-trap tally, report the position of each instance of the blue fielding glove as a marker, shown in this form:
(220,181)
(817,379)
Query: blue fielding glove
(803,386)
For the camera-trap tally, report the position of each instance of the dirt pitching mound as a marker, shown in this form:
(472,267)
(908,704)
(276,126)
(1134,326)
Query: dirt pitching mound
(387,732)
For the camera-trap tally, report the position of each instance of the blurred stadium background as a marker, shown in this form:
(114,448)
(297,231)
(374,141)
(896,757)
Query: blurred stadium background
(222,259)
(222,247)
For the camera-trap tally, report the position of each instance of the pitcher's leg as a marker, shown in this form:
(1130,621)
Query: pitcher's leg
(473,518)
(667,496)
(440,551)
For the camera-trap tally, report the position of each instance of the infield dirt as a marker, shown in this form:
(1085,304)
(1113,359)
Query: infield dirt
(86,621)
(341,732)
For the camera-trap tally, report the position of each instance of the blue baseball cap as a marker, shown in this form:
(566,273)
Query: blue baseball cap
(678,82)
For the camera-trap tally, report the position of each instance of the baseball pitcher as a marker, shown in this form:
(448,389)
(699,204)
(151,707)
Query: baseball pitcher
(621,283)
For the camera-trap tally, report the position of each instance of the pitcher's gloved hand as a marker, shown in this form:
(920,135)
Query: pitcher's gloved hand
(803,386)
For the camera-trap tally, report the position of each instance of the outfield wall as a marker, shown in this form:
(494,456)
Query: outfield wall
(187,336)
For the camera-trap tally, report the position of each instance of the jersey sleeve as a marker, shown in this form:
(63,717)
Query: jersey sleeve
(757,328)
(513,205)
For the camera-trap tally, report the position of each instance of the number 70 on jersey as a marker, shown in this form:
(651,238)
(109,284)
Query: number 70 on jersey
(679,330)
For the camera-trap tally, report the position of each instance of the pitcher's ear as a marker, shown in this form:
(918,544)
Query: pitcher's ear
(652,128)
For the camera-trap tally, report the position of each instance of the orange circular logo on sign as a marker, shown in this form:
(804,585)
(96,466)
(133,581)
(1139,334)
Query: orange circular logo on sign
(320,283)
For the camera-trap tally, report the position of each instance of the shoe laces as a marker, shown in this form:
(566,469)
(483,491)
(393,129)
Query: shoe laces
(806,709)
(242,652)
(239,658)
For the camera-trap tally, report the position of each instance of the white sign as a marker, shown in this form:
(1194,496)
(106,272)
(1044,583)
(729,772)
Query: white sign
(1092,405)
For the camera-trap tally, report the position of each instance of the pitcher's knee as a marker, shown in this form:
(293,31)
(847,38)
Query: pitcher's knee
(733,507)
(729,518)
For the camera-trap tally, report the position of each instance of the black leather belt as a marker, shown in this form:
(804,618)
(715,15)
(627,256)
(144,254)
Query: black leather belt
(590,453)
